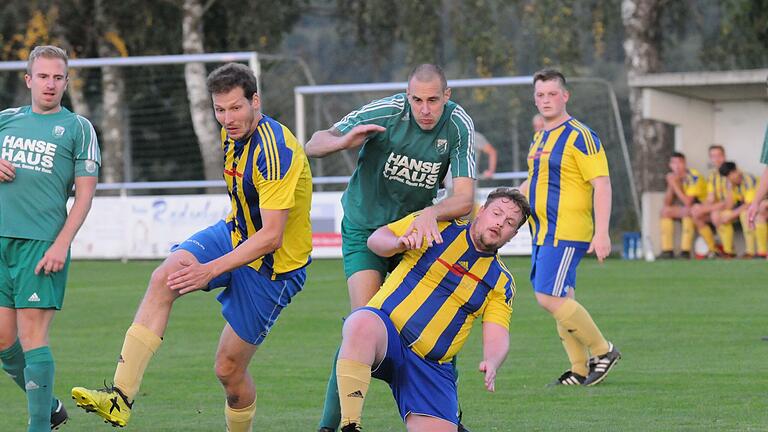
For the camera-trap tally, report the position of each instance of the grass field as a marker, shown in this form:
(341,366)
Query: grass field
(690,334)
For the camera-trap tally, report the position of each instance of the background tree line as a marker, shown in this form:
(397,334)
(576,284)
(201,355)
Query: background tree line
(346,41)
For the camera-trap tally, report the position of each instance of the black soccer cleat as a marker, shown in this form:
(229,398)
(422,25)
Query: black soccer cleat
(568,378)
(59,416)
(685,254)
(352,427)
(326,429)
(601,365)
(666,255)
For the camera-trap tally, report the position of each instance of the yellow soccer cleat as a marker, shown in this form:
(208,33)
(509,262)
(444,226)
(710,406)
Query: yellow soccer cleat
(108,403)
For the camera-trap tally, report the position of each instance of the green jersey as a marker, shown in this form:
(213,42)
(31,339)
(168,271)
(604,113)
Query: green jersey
(764,157)
(48,152)
(399,171)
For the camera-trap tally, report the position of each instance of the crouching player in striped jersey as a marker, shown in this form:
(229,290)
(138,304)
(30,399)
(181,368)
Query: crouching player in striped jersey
(258,254)
(421,317)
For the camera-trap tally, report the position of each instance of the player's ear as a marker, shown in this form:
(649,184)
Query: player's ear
(447,93)
(256,101)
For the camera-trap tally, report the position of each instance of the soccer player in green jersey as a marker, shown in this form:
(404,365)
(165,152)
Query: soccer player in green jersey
(569,191)
(45,149)
(408,143)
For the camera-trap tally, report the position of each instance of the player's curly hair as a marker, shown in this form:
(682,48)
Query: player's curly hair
(232,75)
(514,195)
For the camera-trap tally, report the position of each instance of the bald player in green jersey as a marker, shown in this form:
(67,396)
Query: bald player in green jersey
(408,143)
(45,149)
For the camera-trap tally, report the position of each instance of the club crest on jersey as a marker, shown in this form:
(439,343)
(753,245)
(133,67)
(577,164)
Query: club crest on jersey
(441,145)
(58,131)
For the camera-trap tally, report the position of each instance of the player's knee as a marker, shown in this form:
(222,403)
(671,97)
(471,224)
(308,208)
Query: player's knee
(227,370)
(360,327)
(7,339)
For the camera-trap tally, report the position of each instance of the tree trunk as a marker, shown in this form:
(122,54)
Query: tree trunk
(206,128)
(114,125)
(642,46)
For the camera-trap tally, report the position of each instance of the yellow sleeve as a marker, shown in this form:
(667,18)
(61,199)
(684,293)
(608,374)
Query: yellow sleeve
(399,226)
(590,157)
(498,310)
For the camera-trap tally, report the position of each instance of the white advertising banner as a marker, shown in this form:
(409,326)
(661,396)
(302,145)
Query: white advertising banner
(146,227)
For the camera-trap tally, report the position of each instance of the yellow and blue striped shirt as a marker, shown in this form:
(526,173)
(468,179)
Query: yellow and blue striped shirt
(561,162)
(745,192)
(717,185)
(435,294)
(694,186)
(269,170)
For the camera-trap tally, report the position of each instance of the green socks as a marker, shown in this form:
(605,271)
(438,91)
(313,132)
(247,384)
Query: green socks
(332,408)
(38,375)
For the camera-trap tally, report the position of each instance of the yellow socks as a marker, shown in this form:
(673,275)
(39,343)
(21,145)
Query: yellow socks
(726,236)
(709,237)
(573,317)
(353,378)
(577,353)
(686,238)
(239,419)
(139,346)
(761,237)
(749,235)
(667,234)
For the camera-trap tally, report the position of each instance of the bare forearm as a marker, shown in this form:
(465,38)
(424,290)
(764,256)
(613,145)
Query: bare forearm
(85,189)
(384,243)
(495,344)
(323,143)
(602,205)
(762,188)
(261,243)
(452,207)
(75,219)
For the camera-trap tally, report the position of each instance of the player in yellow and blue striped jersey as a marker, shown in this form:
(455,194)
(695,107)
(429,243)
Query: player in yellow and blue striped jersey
(717,189)
(685,188)
(421,317)
(568,186)
(258,254)
(742,191)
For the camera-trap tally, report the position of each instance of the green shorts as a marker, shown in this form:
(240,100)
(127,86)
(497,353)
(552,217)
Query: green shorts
(357,256)
(20,287)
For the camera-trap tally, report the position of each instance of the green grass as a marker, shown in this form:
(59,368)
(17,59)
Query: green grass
(690,334)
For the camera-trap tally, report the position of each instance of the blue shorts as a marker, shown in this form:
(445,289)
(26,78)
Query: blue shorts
(553,269)
(420,386)
(251,301)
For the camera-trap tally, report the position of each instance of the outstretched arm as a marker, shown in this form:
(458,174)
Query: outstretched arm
(329,141)
(495,348)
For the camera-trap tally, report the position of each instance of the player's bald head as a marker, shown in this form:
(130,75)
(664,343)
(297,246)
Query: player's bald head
(427,72)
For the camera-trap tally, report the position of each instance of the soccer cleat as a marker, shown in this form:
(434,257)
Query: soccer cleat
(108,403)
(59,416)
(568,378)
(352,427)
(685,254)
(666,255)
(326,429)
(601,365)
